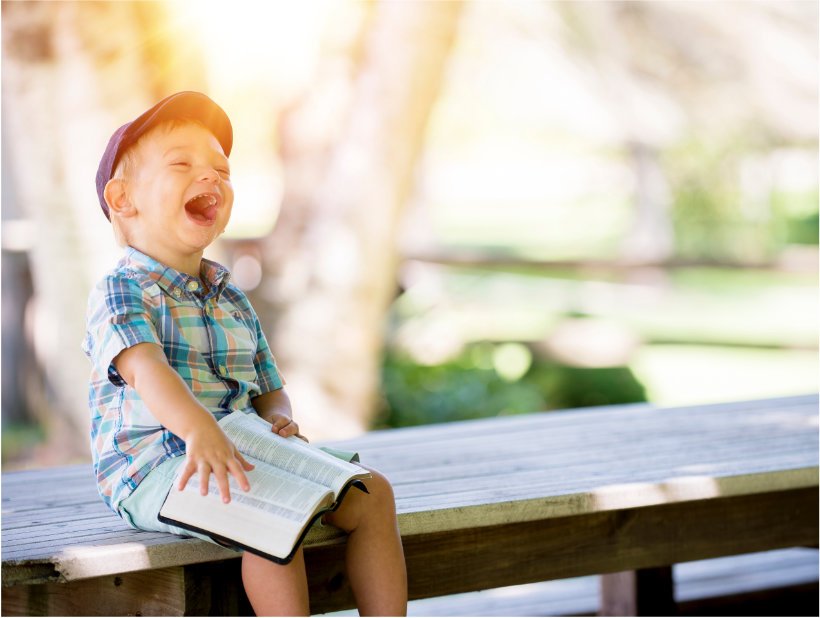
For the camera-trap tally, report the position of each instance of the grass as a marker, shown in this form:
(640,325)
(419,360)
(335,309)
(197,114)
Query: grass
(682,375)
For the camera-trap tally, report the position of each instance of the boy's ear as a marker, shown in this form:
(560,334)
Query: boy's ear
(116,197)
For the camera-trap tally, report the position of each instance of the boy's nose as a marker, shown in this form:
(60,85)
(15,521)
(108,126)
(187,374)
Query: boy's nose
(209,175)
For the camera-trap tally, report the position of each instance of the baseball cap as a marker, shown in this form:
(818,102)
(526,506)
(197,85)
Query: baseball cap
(182,105)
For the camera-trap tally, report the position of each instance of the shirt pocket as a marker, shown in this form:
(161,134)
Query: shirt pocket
(237,348)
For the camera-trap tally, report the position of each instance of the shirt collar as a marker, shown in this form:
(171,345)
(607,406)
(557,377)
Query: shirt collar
(178,284)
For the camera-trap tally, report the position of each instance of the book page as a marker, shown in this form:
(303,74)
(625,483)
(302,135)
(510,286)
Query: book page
(271,517)
(273,491)
(252,435)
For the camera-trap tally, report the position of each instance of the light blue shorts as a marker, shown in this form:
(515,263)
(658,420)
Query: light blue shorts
(141,508)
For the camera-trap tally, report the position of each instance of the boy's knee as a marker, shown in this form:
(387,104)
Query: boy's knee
(380,489)
(377,504)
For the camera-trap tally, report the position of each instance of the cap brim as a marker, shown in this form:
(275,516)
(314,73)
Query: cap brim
(186,105)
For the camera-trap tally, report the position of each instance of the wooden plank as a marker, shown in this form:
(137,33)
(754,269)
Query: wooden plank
(145,593)
(569,423)
(426,493)
(551,471)
(47,476)
(494,511)
(491,448)
(454,456)
(569,419)
(432,496)
(215,589)
(556,548)
(63,524)
(145,551)
(550,445)
(518,470)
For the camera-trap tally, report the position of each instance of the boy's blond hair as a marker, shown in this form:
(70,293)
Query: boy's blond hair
(129,160)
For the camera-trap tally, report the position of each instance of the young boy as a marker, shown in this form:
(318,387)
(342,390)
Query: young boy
(174,347)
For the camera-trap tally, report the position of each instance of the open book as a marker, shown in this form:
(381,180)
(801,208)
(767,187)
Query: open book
(292,485)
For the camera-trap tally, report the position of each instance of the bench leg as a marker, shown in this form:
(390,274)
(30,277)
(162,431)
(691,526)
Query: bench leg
(645,592)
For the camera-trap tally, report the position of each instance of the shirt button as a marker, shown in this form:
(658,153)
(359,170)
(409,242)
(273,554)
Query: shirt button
(223,369)
(177,292)
(192,286)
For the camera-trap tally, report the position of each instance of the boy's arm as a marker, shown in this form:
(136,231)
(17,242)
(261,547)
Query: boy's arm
(274,407)
(145,368)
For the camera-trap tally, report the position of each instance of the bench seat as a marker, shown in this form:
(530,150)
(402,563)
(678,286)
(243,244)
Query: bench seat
(482,504)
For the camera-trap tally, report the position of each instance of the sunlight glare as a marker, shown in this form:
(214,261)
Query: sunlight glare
(249,41)
(259,57)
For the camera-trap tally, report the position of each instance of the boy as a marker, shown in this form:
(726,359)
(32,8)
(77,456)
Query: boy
(174,347)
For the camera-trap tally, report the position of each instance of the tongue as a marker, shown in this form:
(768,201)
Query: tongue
(202,209)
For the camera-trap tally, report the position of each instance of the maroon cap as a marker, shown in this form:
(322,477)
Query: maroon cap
(182,105)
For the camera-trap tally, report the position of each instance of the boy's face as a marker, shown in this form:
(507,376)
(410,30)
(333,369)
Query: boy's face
(181,193)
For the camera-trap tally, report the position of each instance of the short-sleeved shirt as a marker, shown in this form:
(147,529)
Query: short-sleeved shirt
(211,337)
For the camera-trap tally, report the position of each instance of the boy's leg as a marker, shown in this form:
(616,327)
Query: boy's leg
(276,589)
(375,559)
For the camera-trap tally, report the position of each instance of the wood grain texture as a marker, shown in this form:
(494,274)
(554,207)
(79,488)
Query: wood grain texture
(145,593)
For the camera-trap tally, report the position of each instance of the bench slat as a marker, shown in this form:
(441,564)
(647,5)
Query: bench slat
(578,418)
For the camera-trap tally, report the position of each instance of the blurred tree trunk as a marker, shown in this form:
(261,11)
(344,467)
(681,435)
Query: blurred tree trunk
(21,379)
(51,148)
(331,262)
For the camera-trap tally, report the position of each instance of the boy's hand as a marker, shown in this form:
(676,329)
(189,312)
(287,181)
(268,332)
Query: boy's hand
(210,451)
(284,426)
(274,407)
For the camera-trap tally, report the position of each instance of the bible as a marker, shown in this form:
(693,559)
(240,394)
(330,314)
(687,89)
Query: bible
(292,485)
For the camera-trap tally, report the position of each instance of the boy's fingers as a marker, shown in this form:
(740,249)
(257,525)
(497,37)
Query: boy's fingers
(187,473)
(289,429)
(239,474)
(280,422)
(221,475)
(204,473)
(246,465)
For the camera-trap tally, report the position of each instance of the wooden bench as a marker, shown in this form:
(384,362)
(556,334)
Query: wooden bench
(622,490)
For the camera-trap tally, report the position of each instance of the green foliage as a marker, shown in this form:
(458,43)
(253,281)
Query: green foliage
(715,218)
(18,438)
(578,387)
(470,387)
(803,230)
(797,216)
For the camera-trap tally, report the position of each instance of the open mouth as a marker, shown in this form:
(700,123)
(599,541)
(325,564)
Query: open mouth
(202,208)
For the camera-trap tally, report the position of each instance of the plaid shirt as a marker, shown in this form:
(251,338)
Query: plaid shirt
(212,339)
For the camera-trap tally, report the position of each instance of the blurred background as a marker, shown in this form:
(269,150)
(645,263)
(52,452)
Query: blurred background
(444,210)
